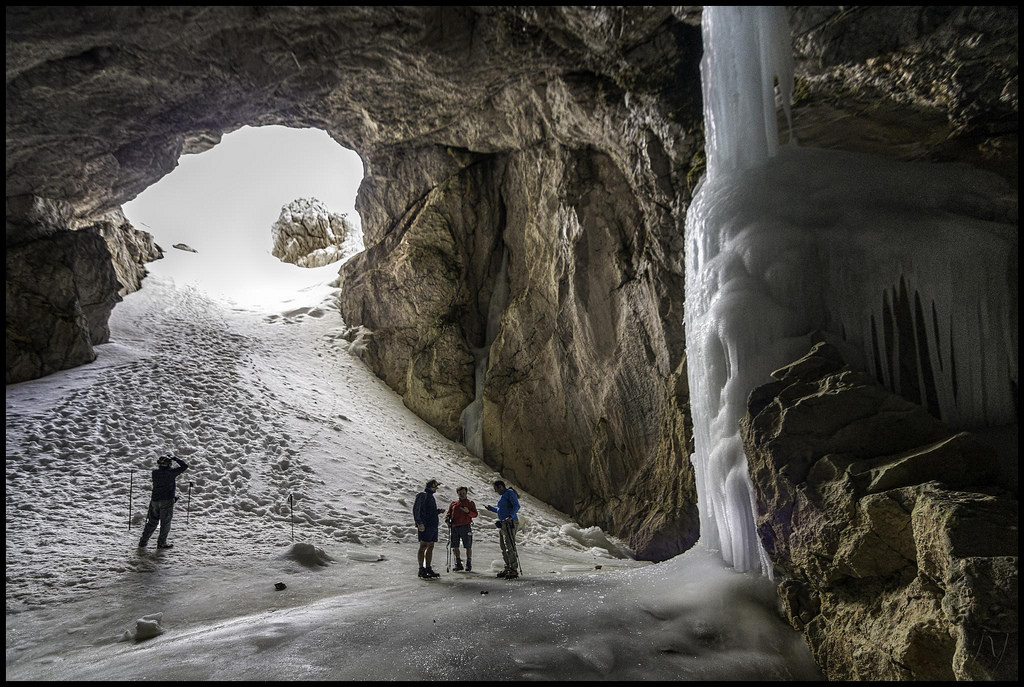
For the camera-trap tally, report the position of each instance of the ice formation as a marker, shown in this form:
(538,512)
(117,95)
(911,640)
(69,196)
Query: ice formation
(472,415)
(906,267)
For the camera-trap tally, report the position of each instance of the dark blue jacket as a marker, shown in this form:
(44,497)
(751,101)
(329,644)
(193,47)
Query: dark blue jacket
(163,481)
(424,511)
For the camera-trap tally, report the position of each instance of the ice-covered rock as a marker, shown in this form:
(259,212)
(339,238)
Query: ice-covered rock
(308,555)
(146,627)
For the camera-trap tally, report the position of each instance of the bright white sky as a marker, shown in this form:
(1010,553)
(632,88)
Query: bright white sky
(223,202)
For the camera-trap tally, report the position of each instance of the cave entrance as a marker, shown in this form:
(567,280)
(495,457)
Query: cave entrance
(213,215)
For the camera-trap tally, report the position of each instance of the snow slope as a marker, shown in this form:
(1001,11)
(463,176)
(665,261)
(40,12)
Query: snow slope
(268,407)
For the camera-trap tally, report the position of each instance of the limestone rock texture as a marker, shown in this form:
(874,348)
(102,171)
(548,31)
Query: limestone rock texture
(560,142)
(897,537)
(60,290)
(936,83)
(308,234)
(130,249)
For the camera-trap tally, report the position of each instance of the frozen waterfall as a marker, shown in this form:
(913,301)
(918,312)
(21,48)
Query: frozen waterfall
(908,268)
(472,415)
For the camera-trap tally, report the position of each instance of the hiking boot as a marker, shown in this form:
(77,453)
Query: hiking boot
(503,573)
(430,572)
(423,573)
(165,546)
(511,575)
(142,544)
(458,566)
(469,566)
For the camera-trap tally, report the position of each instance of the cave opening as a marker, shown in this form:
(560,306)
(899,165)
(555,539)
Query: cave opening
(214,216)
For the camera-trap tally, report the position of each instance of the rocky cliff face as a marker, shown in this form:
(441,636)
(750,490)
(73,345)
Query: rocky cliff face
(559,142)
(130,249)
(897,536)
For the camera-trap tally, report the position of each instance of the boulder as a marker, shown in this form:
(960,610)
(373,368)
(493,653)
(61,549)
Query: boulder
(897,544)
(307,234)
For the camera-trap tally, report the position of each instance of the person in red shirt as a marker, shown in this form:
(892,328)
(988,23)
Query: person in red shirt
(460,518)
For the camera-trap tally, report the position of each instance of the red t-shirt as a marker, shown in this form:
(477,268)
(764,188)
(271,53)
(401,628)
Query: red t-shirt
(457,516)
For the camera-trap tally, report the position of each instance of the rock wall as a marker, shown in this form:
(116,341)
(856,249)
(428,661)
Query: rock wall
(130,249)
(60,290)
(897,537)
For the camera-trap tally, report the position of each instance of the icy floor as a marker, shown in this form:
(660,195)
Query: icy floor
(266,403)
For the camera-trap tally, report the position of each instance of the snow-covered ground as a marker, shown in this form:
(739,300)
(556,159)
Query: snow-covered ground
(268,406)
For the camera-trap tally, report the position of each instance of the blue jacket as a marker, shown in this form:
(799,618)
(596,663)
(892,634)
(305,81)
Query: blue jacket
(424,511)
(508,505)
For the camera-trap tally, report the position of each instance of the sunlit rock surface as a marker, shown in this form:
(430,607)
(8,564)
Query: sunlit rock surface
(130,249)
(897,536)
(308,234)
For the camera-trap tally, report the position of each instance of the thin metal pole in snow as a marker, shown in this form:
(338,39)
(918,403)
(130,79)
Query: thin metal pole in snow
(131,480)
(188,504)
(292,509)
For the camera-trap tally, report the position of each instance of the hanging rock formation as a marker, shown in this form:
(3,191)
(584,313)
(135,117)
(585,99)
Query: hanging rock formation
(307,234)
(897,536)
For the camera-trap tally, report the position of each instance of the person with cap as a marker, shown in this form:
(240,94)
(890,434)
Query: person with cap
(460,520)
(161,503)
(508,524)
(425,512)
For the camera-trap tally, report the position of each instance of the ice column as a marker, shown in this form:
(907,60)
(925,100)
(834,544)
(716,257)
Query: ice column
(746,51)
(472,415)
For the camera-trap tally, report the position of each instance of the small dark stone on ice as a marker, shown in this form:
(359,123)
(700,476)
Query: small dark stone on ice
(280,585)
(483,591)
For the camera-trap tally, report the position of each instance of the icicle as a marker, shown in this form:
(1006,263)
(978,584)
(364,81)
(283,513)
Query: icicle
(785,243)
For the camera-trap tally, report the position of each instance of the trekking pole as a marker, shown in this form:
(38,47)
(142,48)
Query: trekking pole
(292,509)
(512,544)
(188,503)
(448,566)
(131,480)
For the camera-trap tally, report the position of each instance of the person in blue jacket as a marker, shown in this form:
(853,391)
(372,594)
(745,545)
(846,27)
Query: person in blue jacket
(508,525)
(425,512)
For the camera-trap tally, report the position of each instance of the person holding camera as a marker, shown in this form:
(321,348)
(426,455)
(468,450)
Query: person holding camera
(508,524)
(460,520)
(425,512)
(161,503)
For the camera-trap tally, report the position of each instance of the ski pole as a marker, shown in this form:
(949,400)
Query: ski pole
(448,566)
(512,544)
(131,480)
(188,503)
(292,509)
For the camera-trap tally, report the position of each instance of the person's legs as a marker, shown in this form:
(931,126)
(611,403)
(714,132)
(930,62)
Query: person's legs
(508,545)
(152,520)
(166,513)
